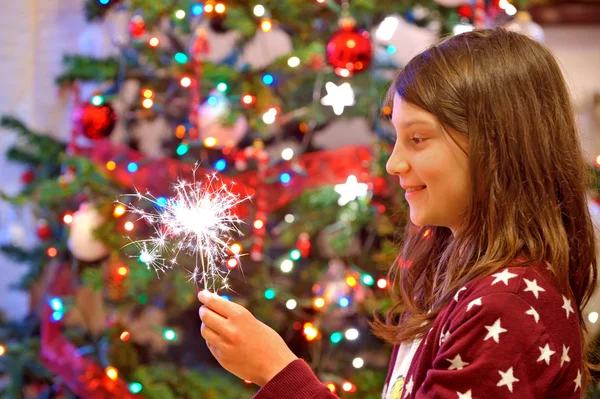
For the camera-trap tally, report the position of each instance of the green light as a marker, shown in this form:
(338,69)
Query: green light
(367,279)
(142,299)
(181,58)
(97,100)
(170,335)
(222,87)
(336,337)
(270,293)
(135,387)
(182,149)
(295,254)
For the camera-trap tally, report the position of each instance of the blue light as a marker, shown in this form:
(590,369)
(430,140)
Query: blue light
(270,293)
(220,165)
(336,337)
(285,177)
(57,316)
(135,387)
(391,49)
(161,201)
(132,167)
(226,297)
(145,257)
(56,304)
(295,254)
(197,9)
(170,335)
(104,2)
(182,149)
(181,58)
(268,79)
(97,100)
(368,279)
(212,100)
(344,302)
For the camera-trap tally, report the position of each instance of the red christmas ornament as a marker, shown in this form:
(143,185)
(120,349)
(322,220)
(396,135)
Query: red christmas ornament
(43,230)
(137,26)
(96,121)
(465,11)
(350,49)
(28,177)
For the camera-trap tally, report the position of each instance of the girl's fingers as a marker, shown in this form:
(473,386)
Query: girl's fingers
(220,305)
(210,335)
(213,349)
(213,320)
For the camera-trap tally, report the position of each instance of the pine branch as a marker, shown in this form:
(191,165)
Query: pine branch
(15,253)
(12,123)
(88,69)
(39,150)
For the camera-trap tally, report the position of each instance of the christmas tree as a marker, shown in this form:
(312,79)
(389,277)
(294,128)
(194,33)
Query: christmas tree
(250,93)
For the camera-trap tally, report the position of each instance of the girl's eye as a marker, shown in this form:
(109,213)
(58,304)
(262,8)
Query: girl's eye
(417,140)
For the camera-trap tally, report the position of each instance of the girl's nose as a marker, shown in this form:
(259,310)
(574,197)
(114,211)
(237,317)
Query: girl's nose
(396,166)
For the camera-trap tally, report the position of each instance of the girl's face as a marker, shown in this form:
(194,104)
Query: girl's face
(432,165)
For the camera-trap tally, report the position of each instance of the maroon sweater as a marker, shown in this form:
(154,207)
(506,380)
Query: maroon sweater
(511,334)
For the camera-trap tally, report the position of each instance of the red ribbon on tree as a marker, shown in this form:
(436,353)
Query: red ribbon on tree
(314,170)
(79,373)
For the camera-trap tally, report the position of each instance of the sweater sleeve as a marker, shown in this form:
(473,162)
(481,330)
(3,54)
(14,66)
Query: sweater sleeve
(496,346)
(295,381)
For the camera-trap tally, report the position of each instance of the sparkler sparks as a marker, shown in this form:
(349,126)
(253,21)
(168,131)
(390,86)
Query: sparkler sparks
(198,222)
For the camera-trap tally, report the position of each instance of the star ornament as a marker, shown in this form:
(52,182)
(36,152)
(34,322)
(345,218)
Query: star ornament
(338,97)
(350,190)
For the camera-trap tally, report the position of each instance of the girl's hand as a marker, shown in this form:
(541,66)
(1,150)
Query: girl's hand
(243,345)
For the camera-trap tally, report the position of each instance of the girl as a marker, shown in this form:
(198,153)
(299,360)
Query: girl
(491,297)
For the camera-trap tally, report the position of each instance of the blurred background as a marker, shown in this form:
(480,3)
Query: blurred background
(282,101)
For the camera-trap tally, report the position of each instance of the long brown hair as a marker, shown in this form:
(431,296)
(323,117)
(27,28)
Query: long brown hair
(506,93)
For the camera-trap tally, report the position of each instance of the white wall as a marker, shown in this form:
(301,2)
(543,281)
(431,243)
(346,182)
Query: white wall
(578,51)
(34,35)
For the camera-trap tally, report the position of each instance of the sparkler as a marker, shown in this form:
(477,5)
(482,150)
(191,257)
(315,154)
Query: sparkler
(199,222)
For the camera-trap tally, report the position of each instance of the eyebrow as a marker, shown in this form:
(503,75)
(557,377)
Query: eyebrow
(411,122)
